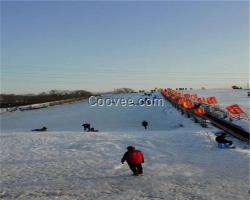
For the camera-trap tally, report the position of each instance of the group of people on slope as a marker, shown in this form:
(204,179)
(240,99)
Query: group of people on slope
(135,158)
(87,126)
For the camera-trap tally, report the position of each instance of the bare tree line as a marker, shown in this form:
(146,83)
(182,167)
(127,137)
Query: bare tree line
(13,100)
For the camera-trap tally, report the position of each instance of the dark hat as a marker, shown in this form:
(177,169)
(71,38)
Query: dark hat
(130,148)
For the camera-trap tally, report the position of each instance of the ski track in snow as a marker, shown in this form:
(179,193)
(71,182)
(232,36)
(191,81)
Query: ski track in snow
(181,163)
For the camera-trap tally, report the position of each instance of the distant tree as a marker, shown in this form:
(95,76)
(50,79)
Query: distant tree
(235,87)
(12,100)
(123,90)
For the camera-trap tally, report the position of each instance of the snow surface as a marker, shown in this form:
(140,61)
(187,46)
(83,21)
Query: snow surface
(181,163)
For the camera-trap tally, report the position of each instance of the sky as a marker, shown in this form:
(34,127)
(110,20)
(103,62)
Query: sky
(99,46)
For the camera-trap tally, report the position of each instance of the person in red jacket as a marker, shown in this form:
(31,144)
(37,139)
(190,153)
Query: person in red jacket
(134,159)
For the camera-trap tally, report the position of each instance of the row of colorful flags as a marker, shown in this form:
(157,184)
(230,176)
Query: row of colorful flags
(189,101)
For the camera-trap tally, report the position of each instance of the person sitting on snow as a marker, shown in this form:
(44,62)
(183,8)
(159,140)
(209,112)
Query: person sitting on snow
(93,130)
(221,139)
(86,127)
(145,124)
(134,158)
(40,129)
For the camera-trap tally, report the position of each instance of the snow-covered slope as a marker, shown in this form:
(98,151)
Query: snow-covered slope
(180,162)
(69,117)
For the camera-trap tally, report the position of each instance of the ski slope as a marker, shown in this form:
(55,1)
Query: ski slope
(65,163)
(69,117)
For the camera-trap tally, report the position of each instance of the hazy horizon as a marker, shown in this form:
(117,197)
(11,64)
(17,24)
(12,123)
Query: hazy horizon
(110,91)
(100,46)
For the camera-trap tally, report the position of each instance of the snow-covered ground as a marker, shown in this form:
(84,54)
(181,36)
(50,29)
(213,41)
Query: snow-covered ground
(3,110)
(181,163)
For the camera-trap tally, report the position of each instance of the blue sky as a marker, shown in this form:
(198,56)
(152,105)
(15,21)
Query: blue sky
(99,46)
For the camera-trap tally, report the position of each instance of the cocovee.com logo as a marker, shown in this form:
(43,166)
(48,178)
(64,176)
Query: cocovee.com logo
(99,101)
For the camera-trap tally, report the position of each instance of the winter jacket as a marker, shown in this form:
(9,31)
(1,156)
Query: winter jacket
(133,157)
(220,139)
(144,123)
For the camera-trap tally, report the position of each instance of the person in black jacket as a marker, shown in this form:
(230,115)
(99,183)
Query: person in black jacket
(86,127)
(145,124)
(221,139)
(40,129)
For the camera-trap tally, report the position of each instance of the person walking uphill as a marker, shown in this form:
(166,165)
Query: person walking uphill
(144,124)
(134,158)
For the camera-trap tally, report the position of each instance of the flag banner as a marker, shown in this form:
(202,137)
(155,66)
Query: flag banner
(181,101)
(187,96)
(188,104)
(201,100)
(193,96)
(179,94)
(235,109)
(199,111)
(173,97)
(211,100)
(174,91)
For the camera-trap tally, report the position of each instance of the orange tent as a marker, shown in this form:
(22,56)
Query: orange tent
(211,100)
(235,109)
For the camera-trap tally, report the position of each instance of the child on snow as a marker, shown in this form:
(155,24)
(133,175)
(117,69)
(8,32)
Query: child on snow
(134,159)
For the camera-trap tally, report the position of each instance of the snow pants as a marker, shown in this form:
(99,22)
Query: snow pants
(136,168)
(227,142)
